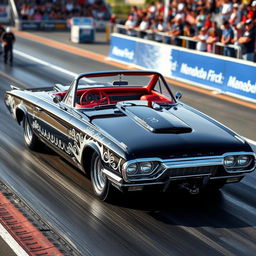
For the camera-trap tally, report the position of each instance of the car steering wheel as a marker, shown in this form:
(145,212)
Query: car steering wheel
(102,97)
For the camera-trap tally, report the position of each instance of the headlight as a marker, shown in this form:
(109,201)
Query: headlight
(229,161)
(146,167)
(131,169)
(243,160)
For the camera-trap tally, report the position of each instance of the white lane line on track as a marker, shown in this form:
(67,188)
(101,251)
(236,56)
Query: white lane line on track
(22,54)
(17,249)
(68,72)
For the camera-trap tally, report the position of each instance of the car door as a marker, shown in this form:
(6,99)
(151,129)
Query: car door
(52,122)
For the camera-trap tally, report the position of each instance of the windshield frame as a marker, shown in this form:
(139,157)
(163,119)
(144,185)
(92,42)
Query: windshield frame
(70,97)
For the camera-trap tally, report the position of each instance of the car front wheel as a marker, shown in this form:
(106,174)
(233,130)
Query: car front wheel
(101,185)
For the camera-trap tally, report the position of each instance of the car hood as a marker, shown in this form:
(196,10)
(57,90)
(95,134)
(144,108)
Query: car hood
(180,131)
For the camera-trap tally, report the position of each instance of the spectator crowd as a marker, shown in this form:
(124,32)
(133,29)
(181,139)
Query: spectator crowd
(230,22)
(38,10)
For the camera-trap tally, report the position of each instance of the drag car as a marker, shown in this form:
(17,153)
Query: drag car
(129,132)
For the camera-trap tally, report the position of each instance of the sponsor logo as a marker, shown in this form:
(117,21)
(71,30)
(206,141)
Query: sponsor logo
(193,71)
(124,53)
(201,73)
(241,85)
(30,25)
(47,25)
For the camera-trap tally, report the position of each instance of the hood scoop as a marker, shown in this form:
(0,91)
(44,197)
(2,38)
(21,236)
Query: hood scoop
(157,121)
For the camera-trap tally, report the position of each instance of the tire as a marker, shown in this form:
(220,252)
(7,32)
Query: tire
(30,139)
(100,183)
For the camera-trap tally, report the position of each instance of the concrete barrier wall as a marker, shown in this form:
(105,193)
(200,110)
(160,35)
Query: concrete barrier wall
(228,75)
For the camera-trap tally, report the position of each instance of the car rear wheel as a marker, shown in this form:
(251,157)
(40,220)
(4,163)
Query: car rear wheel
(100,183)
(31,140)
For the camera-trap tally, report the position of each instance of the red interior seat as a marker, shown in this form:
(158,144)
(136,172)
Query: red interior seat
(155,97)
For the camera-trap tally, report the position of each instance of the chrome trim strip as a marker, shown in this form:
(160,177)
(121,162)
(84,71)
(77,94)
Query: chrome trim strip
(142,184)
(193,158)
(240,139)
(111,175)
(226,177)
(239,171)
(194,163)
(189,176)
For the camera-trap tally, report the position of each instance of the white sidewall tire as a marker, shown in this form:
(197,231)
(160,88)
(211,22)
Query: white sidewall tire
(100,183)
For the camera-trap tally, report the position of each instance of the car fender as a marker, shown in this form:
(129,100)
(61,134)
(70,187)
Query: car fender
(20,113)
(87,153)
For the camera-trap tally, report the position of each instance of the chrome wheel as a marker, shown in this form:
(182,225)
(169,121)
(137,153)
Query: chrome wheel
(99,177)
(100,183)
(31,140)
(28,134)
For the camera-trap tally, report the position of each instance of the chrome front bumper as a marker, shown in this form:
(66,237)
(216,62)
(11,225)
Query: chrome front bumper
(204,165)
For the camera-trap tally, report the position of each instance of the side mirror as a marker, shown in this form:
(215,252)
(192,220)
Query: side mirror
(178,95)
(57,99)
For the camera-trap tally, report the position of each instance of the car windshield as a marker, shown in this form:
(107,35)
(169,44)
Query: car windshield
(108,88)
(119,80)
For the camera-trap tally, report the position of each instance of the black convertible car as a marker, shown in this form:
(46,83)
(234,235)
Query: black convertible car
(128,131)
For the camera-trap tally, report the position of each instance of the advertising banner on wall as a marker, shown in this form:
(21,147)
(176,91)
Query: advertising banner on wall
(218,72)
(122,49)
(4,13)
(42,25)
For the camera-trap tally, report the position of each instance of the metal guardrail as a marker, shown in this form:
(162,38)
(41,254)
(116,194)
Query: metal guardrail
(184,41)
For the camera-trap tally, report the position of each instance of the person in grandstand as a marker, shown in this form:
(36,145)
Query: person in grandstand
(247,40)
(157,25)
(2,30)
(130,25)
(235,16)
(212,38)
(144,25)
(8,40)
(189,31)
(175,30)
(227,38)
(200,19)
(226,10)
(201,44)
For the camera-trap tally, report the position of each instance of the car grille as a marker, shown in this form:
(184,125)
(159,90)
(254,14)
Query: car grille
(192,171)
